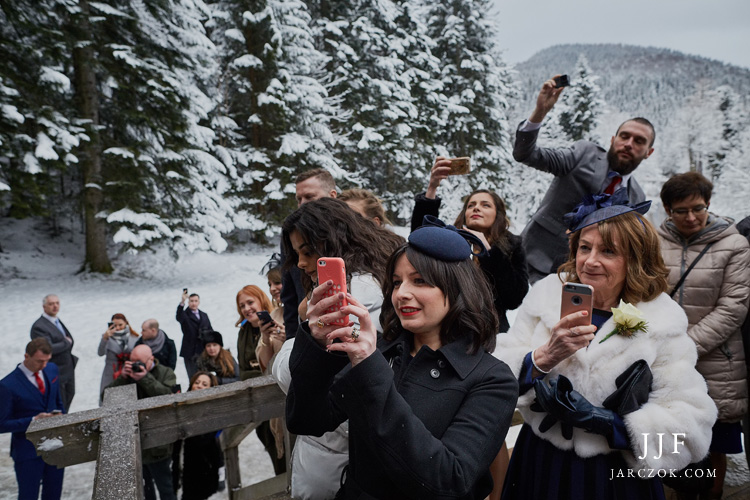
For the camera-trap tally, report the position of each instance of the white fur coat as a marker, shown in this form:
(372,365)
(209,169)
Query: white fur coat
(678,402)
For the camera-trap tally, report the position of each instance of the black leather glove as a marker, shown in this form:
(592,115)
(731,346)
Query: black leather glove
(633,388)
(547,401)
(570,408)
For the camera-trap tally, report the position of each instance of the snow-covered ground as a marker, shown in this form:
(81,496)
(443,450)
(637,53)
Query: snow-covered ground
(144,286)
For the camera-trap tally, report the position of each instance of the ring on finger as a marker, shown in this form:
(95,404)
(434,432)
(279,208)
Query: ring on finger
(320,323)
(355,333)
(278,330)
(574,331)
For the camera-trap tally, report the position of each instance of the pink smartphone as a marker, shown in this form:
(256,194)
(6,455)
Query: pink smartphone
(332,268)
(577,297)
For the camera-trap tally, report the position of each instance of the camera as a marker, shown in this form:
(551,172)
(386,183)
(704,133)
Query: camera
(138,366)
(561,81)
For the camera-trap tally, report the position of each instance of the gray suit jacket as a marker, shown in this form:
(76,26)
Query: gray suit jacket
(62,354)
(579,170)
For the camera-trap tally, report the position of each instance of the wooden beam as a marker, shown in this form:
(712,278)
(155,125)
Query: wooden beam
(72,439)
(169,418)
(118,468)
(233,436)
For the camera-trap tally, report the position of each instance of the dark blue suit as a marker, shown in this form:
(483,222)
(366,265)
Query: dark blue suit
(20,401)
(192,343)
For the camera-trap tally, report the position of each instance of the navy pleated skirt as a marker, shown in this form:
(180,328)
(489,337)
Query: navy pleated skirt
(540,471)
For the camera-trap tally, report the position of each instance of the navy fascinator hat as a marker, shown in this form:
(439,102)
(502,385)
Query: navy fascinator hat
(598,207)
(443,241)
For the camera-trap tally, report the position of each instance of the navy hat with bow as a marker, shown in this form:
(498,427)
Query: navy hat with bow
(598,207)
(443,241)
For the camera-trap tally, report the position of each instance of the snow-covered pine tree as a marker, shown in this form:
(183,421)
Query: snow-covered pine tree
(271,111)
(582,104)
(37,132)
(727,165)
(380,71)
(127,96)
(477,85)
(160,181)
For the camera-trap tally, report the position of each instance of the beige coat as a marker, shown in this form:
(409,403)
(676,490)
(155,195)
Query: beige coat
(715,298)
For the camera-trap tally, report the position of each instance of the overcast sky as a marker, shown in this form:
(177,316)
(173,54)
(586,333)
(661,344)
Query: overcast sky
(718,29)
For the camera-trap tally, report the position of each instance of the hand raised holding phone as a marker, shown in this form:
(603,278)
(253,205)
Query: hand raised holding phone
(574,331)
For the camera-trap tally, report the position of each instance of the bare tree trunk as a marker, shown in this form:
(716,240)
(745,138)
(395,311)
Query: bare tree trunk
(87,100)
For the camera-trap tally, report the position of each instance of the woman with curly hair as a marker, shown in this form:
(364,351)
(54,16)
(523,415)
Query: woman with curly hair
(330,228)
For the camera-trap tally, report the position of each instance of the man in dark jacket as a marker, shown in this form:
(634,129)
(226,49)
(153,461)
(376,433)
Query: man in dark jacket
(151,379)
(49,327)
(162,347)
(193,322)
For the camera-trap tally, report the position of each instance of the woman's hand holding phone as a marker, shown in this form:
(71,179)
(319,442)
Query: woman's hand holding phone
(365,343)
(439,171)
(317,311)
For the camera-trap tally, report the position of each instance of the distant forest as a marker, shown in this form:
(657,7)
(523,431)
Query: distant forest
(184,123)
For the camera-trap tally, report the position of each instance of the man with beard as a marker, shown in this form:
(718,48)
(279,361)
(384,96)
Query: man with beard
(582,169)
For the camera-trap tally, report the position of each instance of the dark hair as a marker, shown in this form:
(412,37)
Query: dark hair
(211,377)
(471,311)
(498,232)
(333,229)
(633,237)
(372,204)
(38,344)
(683,186)
(194,295)
(323,175)
(642,121)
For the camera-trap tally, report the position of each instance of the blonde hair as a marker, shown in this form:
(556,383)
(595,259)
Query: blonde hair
(372,204)
(634,238)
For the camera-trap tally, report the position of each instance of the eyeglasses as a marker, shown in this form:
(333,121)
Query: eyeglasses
(682,212)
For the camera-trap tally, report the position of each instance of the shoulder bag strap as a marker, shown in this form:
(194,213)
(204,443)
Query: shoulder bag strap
(687,271)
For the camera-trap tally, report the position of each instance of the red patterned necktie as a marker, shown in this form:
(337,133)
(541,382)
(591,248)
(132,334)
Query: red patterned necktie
(39,382)
(613,185)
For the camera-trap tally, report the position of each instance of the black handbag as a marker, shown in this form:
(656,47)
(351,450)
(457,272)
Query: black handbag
(633,388)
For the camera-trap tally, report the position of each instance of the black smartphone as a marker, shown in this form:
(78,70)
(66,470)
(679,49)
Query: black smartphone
(109,325)
(264,317)
(561,81)
(184,290)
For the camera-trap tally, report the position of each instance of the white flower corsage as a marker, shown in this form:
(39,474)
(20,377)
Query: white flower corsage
(628,320)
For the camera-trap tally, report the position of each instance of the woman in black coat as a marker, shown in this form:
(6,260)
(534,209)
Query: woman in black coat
(483,214)
(202,454)
(429,407)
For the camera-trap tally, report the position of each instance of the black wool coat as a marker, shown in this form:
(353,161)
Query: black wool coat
(421,428)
